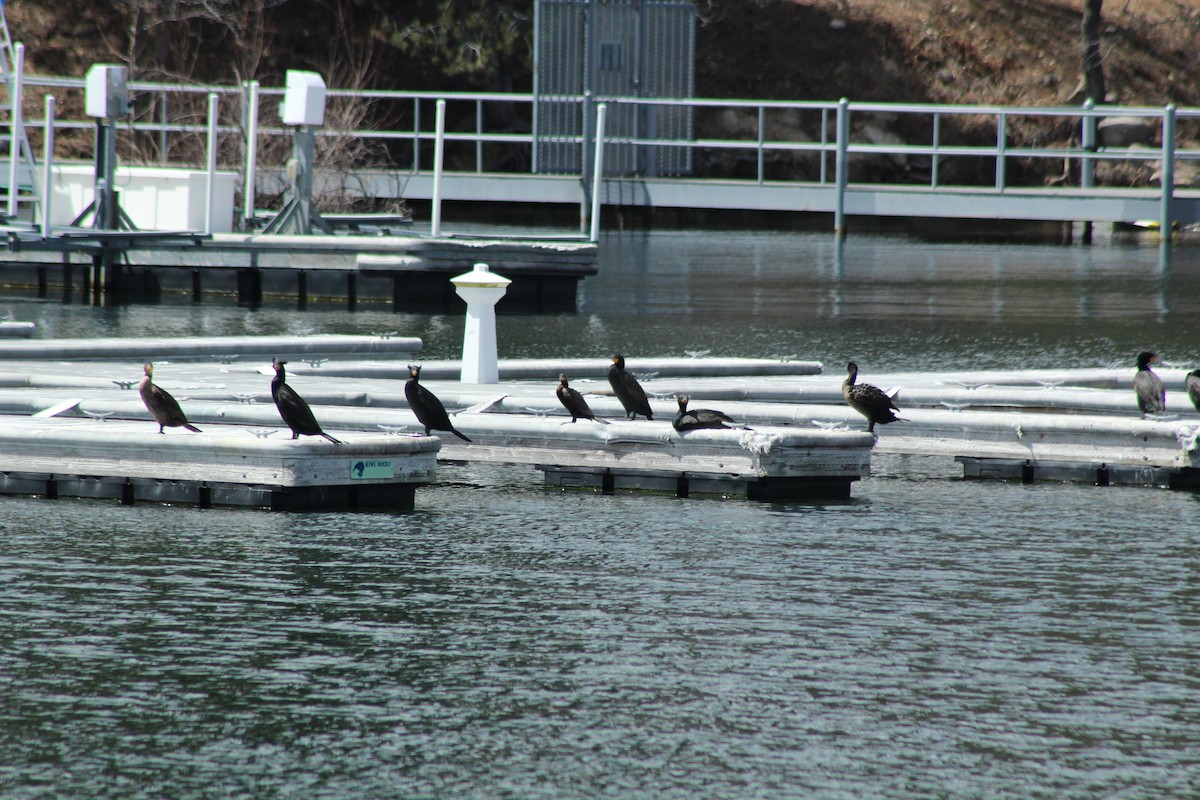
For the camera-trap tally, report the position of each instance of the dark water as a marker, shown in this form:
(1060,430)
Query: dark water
(929,638)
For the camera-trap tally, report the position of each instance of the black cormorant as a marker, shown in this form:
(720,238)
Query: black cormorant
(1193,387)
(868,400)
(1151,394)
(295,412)
(697,418)
(628,390)
(573,401)
(429,410)
(161,404)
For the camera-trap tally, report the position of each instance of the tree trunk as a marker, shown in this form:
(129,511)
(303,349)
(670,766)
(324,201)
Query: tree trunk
(1093,64)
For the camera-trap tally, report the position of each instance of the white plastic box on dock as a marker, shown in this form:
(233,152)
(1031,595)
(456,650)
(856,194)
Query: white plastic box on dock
(224,465)
(155,198)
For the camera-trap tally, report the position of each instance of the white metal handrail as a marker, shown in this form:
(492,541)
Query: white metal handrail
(836,137)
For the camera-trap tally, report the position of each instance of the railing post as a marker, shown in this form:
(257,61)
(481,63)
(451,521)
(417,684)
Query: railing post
(762,140)
(16,126)
(164,117)
(841,167)
(211,173)
(478,136)
(1167,172)
(48,167)
(1001,144)
(416,165)
(598,172)
(937,140)
(824,143)
(586,157)
(1087,171)
(438,151)
(251,188)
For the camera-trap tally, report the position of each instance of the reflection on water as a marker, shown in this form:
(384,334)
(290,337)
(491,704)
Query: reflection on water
(886,302)
(930,637)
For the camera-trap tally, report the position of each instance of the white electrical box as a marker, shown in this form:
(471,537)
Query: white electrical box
(107,90)
(304,99)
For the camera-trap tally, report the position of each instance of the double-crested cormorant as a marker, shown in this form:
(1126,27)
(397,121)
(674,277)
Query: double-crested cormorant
(1151,394)
(573,401)
(161,404)
(697,418)
(429,410)
(1193,387)
(628,390)
(295,412)
(868,400)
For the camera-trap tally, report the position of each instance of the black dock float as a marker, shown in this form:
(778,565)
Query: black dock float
(688,484)
(1101,474)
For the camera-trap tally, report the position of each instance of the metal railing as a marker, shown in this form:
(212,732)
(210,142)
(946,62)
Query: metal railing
(824,143)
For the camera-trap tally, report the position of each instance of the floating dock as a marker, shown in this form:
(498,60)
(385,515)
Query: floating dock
(223,465)
(759,464)
(222,349)
(365,398)
(403,271)
(797,440)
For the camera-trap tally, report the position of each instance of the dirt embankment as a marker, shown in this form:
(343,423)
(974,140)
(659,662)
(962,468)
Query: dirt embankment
(1011,52)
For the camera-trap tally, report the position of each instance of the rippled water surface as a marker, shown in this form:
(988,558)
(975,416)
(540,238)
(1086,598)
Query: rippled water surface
(929,638)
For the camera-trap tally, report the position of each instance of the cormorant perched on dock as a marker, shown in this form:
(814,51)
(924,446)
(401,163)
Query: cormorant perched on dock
(161,404)
(628,390)
(1151,394)
(870,401)
(429,410)
(697,418)
(573,401)
(295,412)
(1193,387)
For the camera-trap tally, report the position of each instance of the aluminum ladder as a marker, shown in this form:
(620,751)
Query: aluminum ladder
(17,163)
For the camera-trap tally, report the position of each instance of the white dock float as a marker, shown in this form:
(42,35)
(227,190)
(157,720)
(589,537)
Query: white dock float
(760,464)
(209,347)
(224,465)
(17,330)
(1029,425)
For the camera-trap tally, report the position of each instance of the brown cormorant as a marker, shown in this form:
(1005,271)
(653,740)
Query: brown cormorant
(628,390)
(1151,394)
(161,404)
(1193,387)
(295,412)
(697,418)
(870,401)
(424,404)
(573,401)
